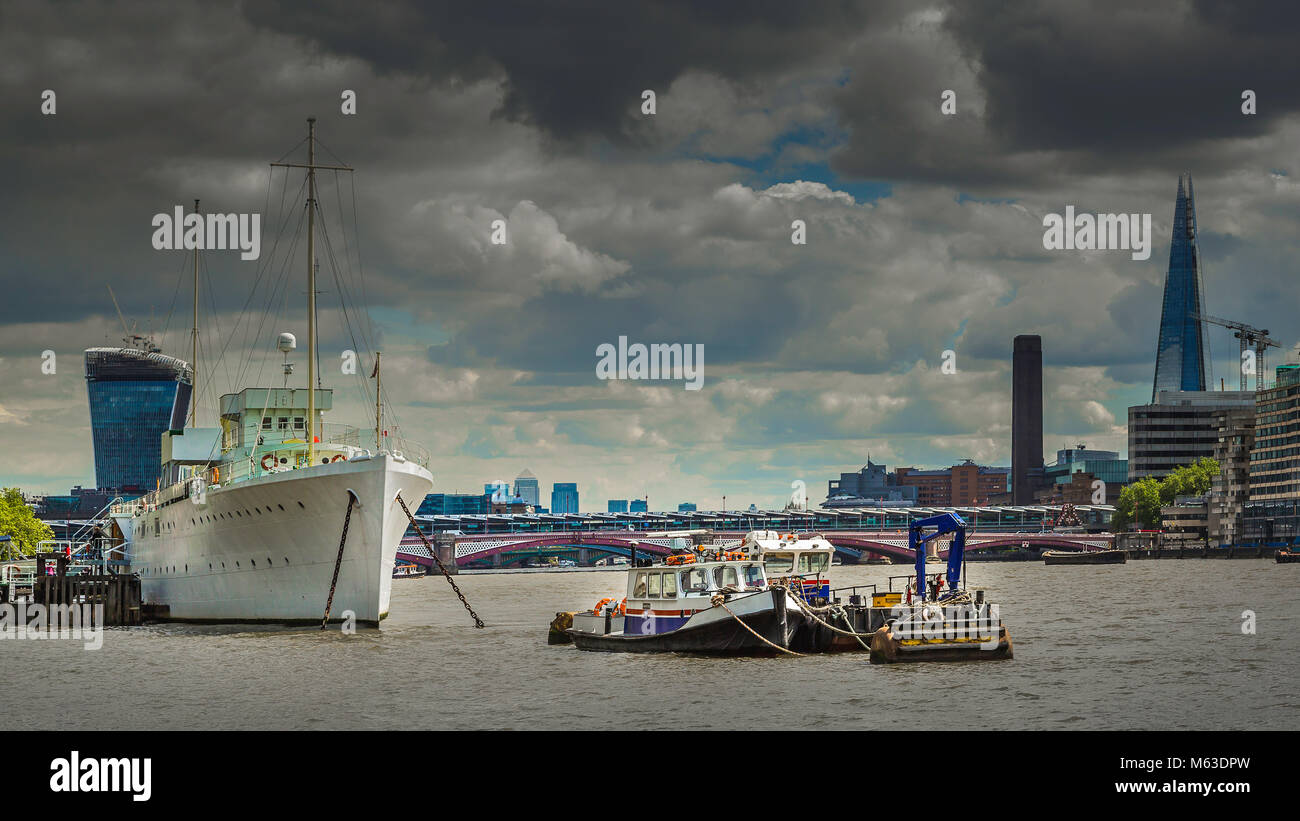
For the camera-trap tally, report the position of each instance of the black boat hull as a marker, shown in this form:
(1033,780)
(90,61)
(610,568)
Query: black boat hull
(1092,557)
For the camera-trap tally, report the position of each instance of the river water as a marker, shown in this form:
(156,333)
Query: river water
(1146,645)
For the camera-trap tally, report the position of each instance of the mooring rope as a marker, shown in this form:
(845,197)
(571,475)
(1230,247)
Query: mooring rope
(720,602)
(338,560)
(432,552)
(839,611)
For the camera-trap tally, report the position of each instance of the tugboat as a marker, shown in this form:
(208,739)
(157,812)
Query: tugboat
(947,627)
(797,560)
(408,570)
(1287,556)
(697,601)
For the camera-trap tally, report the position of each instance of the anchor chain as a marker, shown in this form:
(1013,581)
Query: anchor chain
(338,561)
(477,621)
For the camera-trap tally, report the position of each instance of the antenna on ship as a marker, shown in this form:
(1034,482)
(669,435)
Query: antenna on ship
(194,336)
(286,345)
(311,167)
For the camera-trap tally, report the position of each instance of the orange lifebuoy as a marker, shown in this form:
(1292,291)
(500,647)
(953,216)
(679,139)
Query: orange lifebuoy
(265,466)
(600,604)
(338,457)
(216,475)
(622,607)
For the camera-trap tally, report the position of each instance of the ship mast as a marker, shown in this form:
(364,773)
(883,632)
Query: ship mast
(194,338)
(311,167)
(379,408)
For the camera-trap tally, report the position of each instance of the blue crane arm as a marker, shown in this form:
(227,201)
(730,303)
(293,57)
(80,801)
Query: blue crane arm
(943,523)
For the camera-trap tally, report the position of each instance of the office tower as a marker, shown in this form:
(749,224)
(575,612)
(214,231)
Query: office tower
(1180,348)
(564,497)
(617,506)
(135,396)
(1026,418)
(639,506)
(528,488)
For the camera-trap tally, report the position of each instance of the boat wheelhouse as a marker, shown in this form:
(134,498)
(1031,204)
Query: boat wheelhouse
(802,559)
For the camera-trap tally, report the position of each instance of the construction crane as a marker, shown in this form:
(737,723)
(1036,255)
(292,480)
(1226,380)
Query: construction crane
(1249,337)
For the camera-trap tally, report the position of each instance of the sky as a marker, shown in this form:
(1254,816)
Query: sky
(924,229)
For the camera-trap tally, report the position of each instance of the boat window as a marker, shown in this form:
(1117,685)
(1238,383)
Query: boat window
(725,576)
(694,581)
(813,562)
(638,590)
(283,423)
(653,589)
(266,423)
(670,585)
(753,575)
(779,562)
(299,423)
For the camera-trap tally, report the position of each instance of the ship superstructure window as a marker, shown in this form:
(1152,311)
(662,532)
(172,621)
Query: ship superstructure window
(299,423)
(725,576)
(670,585)
(694,581)
(266,423)
(653,585)
(638,590)
(813,562)
(283,423)
(779,562)
(753,575)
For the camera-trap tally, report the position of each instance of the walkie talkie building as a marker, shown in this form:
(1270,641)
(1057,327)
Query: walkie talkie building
(135,396)
(1180,350)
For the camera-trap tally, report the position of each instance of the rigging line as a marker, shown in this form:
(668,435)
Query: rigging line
(175,293)
(244,311)
(247,343)
(344,296)
(215,323)
(356,233)
(282,277)
(339,277)
(347,252)
(295,148)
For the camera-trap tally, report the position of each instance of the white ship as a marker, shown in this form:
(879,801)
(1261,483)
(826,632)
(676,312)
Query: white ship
(249,521)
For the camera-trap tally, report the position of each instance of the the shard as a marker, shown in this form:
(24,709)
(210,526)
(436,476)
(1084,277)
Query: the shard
(1180,350)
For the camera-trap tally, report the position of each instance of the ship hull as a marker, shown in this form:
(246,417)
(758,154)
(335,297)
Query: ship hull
(264,550)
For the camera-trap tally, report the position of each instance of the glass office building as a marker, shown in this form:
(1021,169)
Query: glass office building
(639,506)
(135,396)
(564,497)
(528,489)
(617,506)
(1180,349)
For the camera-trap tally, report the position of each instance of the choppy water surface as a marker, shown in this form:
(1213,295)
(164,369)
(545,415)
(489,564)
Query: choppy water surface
(1146,645)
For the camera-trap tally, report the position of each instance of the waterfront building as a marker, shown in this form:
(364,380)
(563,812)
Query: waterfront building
(964,484)
(1272,513)
(686,507)
(1177,429)
(136,395)
(455,504)
(1180,347)
(616,506)
(1063,477)
(1026,417)
(1230,490)
(1188,516)
(564,497)
(639,506)
(528,488)
(870,484)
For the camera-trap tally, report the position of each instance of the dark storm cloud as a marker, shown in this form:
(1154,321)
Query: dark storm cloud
(576,68)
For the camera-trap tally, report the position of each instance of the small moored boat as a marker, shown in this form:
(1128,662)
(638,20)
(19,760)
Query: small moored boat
(697,601)
(1085,556)
(1287,556)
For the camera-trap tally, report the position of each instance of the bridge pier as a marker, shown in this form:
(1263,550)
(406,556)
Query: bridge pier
(444,544)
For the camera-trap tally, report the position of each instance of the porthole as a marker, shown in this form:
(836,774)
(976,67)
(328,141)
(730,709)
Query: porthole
(254,561)
(236,564)
(301,505)
(223,565)
(269,563)
(280,506)
(286,559)
(209,565)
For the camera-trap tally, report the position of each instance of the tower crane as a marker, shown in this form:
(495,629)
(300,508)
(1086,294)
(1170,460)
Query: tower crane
(1249,337)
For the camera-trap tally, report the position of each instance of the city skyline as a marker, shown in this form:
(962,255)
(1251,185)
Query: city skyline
(924,229)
